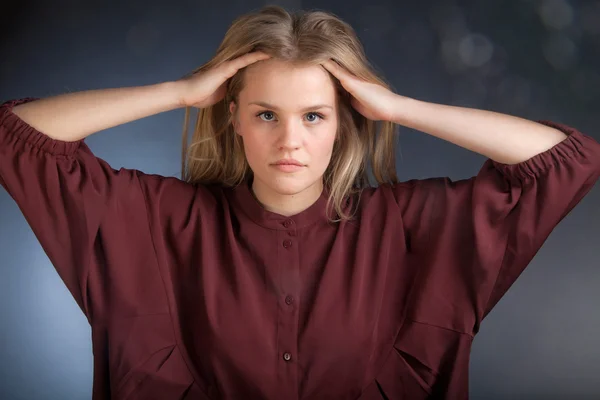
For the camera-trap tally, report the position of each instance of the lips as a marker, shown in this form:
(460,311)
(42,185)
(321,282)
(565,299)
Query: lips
(289,162)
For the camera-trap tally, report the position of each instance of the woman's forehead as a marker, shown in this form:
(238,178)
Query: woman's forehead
(288,82)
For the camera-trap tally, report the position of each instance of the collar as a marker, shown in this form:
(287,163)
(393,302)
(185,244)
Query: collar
(244,200)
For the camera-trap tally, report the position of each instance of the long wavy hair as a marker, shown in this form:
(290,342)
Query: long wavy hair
(216,154)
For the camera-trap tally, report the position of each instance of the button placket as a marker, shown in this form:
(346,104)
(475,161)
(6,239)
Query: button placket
(289,278)
(291,230)
(289,225)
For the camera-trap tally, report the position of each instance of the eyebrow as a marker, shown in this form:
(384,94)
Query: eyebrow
(272,107)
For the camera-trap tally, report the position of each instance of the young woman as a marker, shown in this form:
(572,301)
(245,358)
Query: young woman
(272,270)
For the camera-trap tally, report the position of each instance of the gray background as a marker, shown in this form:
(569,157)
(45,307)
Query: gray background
(535,59)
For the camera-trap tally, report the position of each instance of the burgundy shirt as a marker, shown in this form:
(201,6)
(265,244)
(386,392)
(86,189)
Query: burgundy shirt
(197,292)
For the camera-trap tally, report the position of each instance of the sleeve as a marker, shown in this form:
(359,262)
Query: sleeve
(63,191)
(472,238)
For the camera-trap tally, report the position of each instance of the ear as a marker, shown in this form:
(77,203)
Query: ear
(232,110)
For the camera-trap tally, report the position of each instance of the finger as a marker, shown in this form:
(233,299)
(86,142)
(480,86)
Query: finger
(249,58)
(336,70)
(347,79)
(233,66)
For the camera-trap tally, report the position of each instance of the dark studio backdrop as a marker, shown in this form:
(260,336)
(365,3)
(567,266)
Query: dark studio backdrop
(538,59)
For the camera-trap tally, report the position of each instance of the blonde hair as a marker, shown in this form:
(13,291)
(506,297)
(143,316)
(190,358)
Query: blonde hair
(216,154)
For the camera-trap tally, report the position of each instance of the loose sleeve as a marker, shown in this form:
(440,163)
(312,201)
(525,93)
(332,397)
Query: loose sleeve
(472,238)
(63,191)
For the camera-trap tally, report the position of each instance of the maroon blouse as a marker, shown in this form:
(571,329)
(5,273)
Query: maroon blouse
(197,292)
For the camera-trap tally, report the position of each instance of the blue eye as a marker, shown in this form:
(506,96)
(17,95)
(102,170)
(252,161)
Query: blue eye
(264,113)
(316,115)
(269,116)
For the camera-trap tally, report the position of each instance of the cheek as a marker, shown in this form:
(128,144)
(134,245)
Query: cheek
(327,138)
(322,147)
(254,147)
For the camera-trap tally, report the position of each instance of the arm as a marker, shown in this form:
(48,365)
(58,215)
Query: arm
(502,138)
(84,212)
(73,116)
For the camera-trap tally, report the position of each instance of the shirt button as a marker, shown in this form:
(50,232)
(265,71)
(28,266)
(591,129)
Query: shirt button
(289,300)
(287,243)
(287,223)
(287,356)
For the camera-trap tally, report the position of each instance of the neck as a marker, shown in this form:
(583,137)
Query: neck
(286,204)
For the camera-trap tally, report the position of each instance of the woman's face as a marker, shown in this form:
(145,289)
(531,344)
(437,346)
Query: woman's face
(286,111)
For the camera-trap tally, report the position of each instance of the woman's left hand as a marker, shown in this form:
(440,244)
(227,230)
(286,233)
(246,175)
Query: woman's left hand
(374,101)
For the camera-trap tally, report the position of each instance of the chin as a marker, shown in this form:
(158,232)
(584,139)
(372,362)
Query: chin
(290,189)
(289,186)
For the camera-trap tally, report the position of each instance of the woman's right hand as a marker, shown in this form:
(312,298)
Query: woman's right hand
(206,88)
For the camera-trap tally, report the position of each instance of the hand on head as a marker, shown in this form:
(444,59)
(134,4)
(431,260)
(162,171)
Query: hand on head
(206,88)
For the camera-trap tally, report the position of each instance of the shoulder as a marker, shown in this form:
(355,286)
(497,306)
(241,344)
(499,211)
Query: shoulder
(171,197)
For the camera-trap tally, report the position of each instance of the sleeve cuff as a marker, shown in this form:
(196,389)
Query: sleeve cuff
(13,125)
(569,148)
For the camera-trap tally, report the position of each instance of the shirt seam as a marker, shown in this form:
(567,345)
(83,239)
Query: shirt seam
(157,265)
(441,327)
(124,379)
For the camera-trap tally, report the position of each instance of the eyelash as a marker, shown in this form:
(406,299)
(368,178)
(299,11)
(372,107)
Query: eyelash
(321,116)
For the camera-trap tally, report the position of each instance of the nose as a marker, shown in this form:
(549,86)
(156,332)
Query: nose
(290,135)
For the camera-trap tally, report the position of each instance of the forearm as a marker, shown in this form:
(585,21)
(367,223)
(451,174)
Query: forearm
(500,137)
(74,116)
